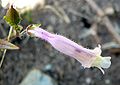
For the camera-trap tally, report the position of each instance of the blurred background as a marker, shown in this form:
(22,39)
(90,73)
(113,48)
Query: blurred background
(87,22)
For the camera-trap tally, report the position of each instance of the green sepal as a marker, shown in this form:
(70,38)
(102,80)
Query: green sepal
(32,26)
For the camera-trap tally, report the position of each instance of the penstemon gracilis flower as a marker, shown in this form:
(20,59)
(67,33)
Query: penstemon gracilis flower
(87,57)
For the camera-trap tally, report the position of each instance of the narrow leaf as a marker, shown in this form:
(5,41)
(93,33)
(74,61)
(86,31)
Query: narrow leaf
(7,45)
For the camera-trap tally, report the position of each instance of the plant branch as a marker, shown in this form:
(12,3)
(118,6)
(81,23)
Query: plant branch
(4,52)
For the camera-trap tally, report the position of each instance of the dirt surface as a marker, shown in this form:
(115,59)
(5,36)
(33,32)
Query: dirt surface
(36,53)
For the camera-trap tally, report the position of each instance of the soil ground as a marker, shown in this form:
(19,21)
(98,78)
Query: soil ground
(36,53)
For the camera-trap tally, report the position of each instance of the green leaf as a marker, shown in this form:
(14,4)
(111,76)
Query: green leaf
(12,17)
(7,45)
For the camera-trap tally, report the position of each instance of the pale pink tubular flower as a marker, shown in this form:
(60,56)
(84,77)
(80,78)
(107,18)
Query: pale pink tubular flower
(87,57)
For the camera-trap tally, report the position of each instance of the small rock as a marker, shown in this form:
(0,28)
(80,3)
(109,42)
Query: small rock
(88,80)
(107,81)
(50,29)
(35,77)
(48,67)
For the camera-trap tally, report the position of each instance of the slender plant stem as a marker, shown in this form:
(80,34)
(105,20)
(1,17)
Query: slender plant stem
(10,32)
(4,52)
(24,31)
(3,57)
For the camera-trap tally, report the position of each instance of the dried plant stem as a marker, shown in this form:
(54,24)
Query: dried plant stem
(95,7)
(4,52)
(111,29)
(3,57)
(94,33)
(59,12)
(105,19)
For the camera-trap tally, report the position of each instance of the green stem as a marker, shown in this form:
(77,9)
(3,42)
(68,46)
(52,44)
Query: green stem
(8,38)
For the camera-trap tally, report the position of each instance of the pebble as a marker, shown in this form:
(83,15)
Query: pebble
(36,77)
(107,81)
(88,80)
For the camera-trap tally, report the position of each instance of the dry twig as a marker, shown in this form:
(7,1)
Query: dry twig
(96,37)
(59,12)
(105,19)
(92,31)
(112,47)
(3,56)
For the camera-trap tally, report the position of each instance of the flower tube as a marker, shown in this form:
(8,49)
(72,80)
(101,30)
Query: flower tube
(87,57)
